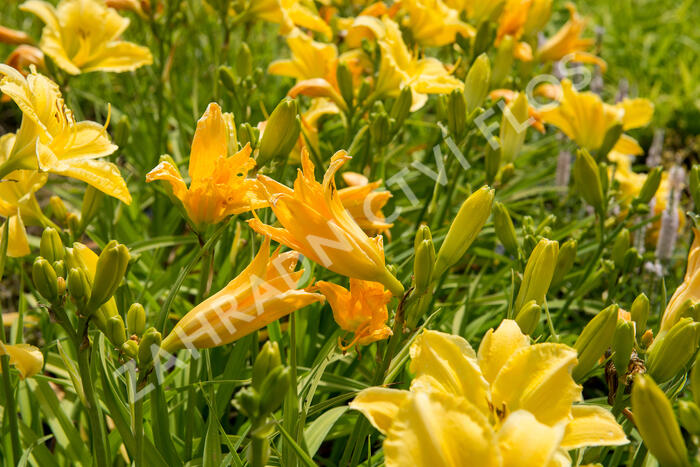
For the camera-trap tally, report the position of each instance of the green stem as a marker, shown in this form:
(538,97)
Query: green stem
(258,451)
(137,428)
(10,409)
(92,409)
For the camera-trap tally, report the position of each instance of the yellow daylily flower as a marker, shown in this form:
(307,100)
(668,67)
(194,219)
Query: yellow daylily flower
(512,23)
(83,36)
(525,393)
(26,358)
(50,140)
(688,290)
(433,23)
(310,59)
(568,41)
(288,14)
(399,68)
(364,203)
(265,291)
(315,223)
(585,118)
(18,203)
(218,187)
(361,310)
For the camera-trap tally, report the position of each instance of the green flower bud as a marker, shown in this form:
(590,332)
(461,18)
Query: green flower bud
(457,114)
(78,287)
(344,79)
(492,162)
(639,311)
(483,39)
(51,246)
(122,131)
(244,61)
(631,259)
(655,421)
(538,274)
(73,222)
(505,230)
(603,173)
(594,340)
(587,179)
(281,132)
(148,347)
(529,317)
(417,307)
(44,278)
(424,259)
(623,344)
(689,416)
(514,127)
(130,348)
(620,247)
(465,227)
(247,401)
(694,185)
(364,91)
(111,267)
(401,108)
(503,63)
(507,172)
(380,127)
(268,359)
(116,331)
(611,138)
(227,78)
(248,135)
(60,268)
(476,85)
(136,319)
(60,286)
(565,261)
(672,350)
(92,200)
(58,209)
(651,185)
(273,389)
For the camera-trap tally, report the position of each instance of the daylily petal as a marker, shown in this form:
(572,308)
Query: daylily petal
(17,243)
(525,442)
(26,358)
(44,10)
(120,56)
(628,145)
(380,405)
(498,346)
(592,426)
(638,113)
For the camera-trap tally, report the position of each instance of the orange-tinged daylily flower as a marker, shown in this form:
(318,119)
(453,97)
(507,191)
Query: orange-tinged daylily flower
(585,118)
(26,358)
(364,203)
(515,402)
(265,291)
(23,57)
(316,224)
(568,41)
(50,140)
(433,23)
(17,201)
(509,95)
(360,310)
(12,36)
(288,14)
(689,290)
(218,187)
(512,23)
(83,36)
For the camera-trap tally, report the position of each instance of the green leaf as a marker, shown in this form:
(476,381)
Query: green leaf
(319,428)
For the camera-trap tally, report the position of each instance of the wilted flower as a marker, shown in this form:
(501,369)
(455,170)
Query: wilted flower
(26,358)
(433,23)
(218,187)
(315,223)
(83,36)
(360,310)
(50,140)
(265,291)
(509,401)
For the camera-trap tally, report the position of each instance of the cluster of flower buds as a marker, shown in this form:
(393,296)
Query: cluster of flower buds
(537,278)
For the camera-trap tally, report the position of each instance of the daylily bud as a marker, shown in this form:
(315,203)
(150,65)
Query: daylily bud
(639,311)
(44,278)
(364,91)
(651,185)
(60,286)
(631,259)
(503,63)
(416,308)
(623,344)
(647,338)
(424,260)
(401,108)
(538,274)
(483,38)
(611,138)
(73,222)
(507,172)
(78,286)
(655,421)
(670,352)
(136,319)
(595,338)
(122,131)
(694,185)
(380,127)
(465,227)
(565,261)
(227,77)
(514,127)
(130,348)
(51,246)
(58,209)
(689,416)
(505,231)
(116,331)
(529,317)
(244,61)
(247,401)
(268,359)
(620,247)
(344,79)
(148,347)
(587,179)
(457,114)
(537,17)
(248,135)
(492,162)
(476,85)
(273,389)
(111,266)
(281,132)
(92,199)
